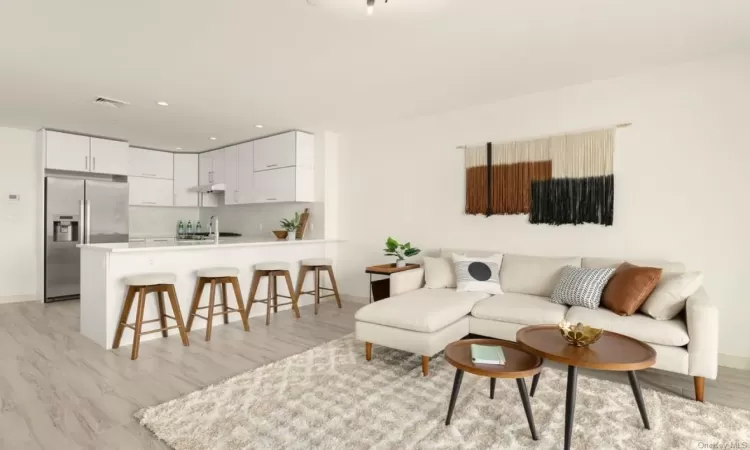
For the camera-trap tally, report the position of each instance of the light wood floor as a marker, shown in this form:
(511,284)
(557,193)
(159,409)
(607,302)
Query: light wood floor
(58,390)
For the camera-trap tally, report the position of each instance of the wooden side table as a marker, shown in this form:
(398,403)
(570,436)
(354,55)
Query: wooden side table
(380,289)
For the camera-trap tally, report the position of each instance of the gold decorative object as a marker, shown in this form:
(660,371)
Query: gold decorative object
(579,335)
(280,234)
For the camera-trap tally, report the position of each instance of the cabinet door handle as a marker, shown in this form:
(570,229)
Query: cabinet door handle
(86,159)
(270,199)
(148,203)
(148,174)
(271,165)
(211,176)
(93,163)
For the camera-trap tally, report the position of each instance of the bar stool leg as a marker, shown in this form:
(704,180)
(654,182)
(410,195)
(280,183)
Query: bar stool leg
(269,299)
(292,293)
(253,292)
(162,315)
(335,287)
(275,294)
(317,289)
(138,323)
(301,280)
(177,314)
(196,301)
(124,316)
(240,303)
(209,325)
(224,301)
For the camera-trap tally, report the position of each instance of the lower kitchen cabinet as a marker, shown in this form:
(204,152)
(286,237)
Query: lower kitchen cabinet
(151,191)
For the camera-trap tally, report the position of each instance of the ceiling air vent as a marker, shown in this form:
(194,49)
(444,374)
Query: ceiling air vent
(111,102)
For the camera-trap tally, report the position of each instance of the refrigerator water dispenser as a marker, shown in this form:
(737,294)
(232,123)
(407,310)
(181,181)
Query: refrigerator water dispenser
(65,229)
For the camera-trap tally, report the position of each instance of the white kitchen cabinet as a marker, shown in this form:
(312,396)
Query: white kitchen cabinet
(245,173)
(108,156)
(294,148)
(150,163)
(66,151)
(145,191)
(212,170)
(276,185)
(231,175)
(185,178)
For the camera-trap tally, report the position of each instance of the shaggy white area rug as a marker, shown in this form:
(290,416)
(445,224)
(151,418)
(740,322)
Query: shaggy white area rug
(329,397)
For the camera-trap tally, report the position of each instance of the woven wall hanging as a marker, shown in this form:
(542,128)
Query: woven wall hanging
(565,179)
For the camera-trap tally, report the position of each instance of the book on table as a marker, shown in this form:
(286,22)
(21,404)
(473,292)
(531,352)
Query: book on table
(487,354)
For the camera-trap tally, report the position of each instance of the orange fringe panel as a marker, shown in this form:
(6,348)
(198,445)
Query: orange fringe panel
(476,190)
(511,185)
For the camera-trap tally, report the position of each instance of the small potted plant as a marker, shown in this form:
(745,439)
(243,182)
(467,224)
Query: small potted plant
(400,251)
(291,225)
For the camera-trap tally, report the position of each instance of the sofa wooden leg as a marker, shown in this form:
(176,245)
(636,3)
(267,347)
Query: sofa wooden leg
(700,385)
(425,365)
(368,351)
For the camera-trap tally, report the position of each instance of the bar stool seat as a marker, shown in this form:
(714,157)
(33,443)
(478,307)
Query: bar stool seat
(218,272)
(150,279)
(317,265)
(144,284)
(317,262)
(277,265)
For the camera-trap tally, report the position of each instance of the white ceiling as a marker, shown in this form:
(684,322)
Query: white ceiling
(225,65)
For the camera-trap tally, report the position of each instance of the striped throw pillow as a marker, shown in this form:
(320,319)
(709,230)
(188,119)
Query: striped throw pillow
(579,286)
(478,274)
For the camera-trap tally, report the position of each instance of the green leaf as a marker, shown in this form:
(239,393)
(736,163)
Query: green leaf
(391,244)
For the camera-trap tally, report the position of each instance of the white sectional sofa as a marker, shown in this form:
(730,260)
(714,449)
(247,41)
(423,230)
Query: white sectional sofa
(423,321)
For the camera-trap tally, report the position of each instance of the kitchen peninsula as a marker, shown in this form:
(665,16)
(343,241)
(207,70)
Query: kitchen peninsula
(103,267)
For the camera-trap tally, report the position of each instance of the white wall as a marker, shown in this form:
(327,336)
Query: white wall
(682,179)
(18,220)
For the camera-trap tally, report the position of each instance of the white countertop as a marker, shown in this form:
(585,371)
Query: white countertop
(228,242)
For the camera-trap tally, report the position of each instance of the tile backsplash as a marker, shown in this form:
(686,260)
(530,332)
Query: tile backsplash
(248,219)
(155,221)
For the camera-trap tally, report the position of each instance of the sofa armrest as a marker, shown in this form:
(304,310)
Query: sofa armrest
(408,280)
(702,318)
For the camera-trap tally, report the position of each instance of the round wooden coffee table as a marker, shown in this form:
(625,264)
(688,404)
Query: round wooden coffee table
(612,351)
(518,364)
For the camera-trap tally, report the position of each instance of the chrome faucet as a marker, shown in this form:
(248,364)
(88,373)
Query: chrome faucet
(213,228)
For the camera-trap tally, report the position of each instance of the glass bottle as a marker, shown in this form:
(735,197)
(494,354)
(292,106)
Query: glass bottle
(190,228)
(180,229)
(198,228)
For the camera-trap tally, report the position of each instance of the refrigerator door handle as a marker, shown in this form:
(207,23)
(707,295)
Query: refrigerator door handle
(81,239)
(88,221)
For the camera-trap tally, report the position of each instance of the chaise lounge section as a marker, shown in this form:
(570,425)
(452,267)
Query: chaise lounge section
(423,321)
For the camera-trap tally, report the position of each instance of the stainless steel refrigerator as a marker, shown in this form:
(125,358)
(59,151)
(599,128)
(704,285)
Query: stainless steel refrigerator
(78,212)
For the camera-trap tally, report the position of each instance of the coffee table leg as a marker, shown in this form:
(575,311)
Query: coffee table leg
(527,406)
(639,398)
(454,394)
(534,382)
(570,405)
(492,387)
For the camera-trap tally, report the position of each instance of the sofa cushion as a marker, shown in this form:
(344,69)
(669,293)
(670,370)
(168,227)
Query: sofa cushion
(638,326)
(671,293)
(478,274)
(439,273)
(533,275)
(519,308)
(666,266)
(629,287)
(424,310)
(581,287)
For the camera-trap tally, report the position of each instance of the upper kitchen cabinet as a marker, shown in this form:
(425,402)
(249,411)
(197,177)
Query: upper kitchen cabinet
(185,178)
(150,163)
(294,148)
(212,170)
(73,152)
(108,156)
(231,175)
(149,191)
(239,174)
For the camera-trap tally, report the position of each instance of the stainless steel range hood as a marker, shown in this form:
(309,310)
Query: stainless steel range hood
(208,188)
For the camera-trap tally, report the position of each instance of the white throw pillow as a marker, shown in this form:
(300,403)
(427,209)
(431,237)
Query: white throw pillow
(475,274)
(669,297)
(438,273)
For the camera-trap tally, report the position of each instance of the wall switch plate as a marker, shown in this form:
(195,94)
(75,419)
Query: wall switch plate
(14,197)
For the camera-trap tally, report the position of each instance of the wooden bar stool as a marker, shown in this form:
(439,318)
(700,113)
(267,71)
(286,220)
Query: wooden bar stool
(145,284)
(272,270)
(317,265)
(214,276)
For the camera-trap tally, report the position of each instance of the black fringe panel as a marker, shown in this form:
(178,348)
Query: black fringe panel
(561,201)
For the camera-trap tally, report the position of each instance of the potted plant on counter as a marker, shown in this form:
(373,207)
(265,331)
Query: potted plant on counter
(291,225)
(400,251)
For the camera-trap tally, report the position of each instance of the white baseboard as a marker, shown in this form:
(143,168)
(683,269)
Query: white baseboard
(18,299)
(736,362)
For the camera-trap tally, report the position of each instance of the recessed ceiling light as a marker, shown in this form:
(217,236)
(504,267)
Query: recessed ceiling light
(179,148)
(162,103)
(212,138)
(259,126)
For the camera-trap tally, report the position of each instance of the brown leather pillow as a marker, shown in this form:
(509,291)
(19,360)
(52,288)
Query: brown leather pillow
(629,288)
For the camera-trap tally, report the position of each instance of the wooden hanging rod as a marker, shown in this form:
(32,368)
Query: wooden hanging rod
(619,125)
